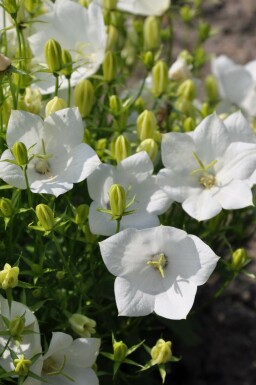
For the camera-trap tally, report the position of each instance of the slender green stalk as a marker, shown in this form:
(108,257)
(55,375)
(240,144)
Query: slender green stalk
(56,85)
(69,91)
(118,225)
(28,187)
(65,263)
(12,89)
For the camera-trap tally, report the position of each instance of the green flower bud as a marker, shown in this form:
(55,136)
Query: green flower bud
(187,90)
(120,350)
(151,33)
(17,326)
(189,124)
(60,275)
(9,276)
(6,207)
(82,325)
(84,97)
(204,31)
(109,66)
(85,3)
(11,6)
(67,66)
(160,78)
(161,352)
(150,146)
(101,146)
(112,38)
(53,55)
(211,87)
(148,59)
(117,200)
(121,148)
(54,105)
(45,216)
(82,213)
(187,14)
(20,153)
(238,259)
(206,110)
(146,125)
(115,105)
(185,106)
(22,365)
(109,4)
(139,104)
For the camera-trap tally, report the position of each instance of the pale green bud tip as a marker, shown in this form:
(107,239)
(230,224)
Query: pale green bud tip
(54,105)
(67,67)
(53,55)
(115,105)
(112,37)
(120,350)
(121,148)
(82,325)
(5,62)
(160,78)
(109,66)
(151,33)
(82,213)
(9,277)
(187,90)
(150,146)
(238,259)
(211,87)
(146,125)
(117,200)
(22,365)
(189,124)
(109,4)
(20,153)
(17,325)
(84,97)
(161,352)
(6,207)
(148,59)
(45,216)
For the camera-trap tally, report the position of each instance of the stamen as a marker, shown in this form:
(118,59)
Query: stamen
(43,167)
(207,181)
(158,262)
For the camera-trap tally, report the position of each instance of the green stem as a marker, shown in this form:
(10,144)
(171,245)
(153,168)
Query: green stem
(69,91)
(56,84)
(20,54)
(65,263)
(12,88)
(118,225)
(28,187)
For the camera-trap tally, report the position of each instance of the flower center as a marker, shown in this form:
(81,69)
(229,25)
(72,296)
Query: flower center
(206,179)
(43,167)
(158,262)
(49,366)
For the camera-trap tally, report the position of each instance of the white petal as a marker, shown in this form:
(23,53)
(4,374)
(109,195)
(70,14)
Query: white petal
(239,128)
(202,206)
(11,173)
(59,342)
(83,352)
(130,301)
(138,165)
(100,223)
(99,183)
(235,195)
(177,152)
(144,7)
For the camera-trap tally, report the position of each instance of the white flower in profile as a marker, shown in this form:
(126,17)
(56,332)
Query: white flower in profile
(157,269)
(144,7)
(58,156)
(179,70)
(208,169)
(79,30)
(23,333)
(67,361)
(134,174)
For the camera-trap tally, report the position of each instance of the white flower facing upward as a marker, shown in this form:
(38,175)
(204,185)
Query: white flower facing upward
(157,269)
(63,158)
(210,168)
(144,7)
(67,361)
(79,30)
(134,174)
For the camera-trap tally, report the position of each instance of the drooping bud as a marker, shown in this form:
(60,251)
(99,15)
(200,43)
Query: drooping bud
(17,325)
(211,88)
(120,350)
(84,97)
(6,207)
(179,70)
(161,352)
(53,55)
(187,90)
(238,259)
(112,37)
(146,125)
(160,78)
(45,216)
(82,325)
(67,67)
(54,105)
(117,200)
(150,146)
(22,365)
(20,153)
(109,66)
(121,148)
(151,33)
(82,213)
(9,276)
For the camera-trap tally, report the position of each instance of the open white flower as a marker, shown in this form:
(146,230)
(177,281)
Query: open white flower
(67,361)
(79,30)
(157,269)
(59,158)
(208,169)
(134,174)
(23,333)
(144,7)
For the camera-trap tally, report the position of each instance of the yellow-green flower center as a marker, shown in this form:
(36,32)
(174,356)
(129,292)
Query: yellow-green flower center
(206,179)
(43,167)
(158,262)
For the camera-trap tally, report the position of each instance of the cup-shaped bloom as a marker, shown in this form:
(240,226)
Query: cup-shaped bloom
(57,156)
(210,168)
(82,325)
(144,7)
(158,269)
(79,30)
(134,174)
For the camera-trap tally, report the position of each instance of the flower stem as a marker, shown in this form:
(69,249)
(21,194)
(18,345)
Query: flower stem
(69,92)
(28,187)
(56,84)
(65,263)
(118,224)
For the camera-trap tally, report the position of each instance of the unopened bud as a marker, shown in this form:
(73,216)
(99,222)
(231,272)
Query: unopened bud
(33,100)
(82,325)
(9,276)
(150,146)
(101,146)
(6,207)
(211,87)
(146,125)
(120,350)
(10,6)
(109,66)
(179,70)
(185,106)
(84,97)
(67,67)
(161,352)
(187,90)
(139,104)
(115,105)
(20,153)
(238,259)
(206,110)
(110,5)
(45,216)
(121,148)
(148,59)
(204,31)
(17,326)
(187,14)
(82,213)
(60,274)
(112,38)
(53,55)
(22,365)
(151,33)
(117,200)
(54,105)
(189,124)
(85,3)
(160,78)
